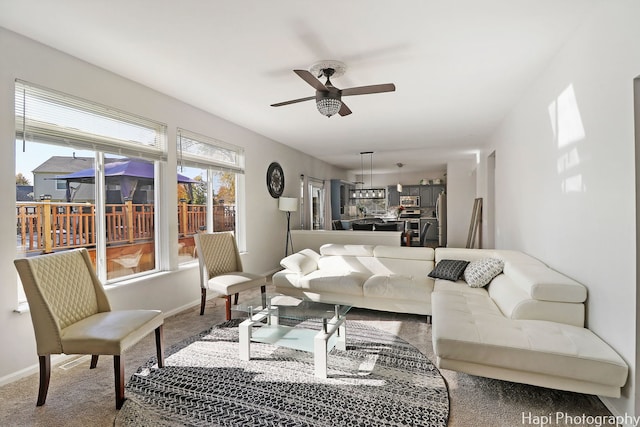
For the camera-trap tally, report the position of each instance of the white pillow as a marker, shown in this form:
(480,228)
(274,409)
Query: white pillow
(299,263)
(311,254)
(481,272)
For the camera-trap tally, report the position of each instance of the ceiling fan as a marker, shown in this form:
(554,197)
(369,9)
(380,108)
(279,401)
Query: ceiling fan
(328,97)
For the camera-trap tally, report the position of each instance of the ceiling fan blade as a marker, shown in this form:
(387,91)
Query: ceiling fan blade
(293,101)
(344,110)
(309,78)
(363,90)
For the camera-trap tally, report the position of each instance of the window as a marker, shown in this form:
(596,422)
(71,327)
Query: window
(94,174)
(209,173)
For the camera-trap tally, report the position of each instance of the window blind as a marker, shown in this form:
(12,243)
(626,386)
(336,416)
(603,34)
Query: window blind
(204,152)
(48,116)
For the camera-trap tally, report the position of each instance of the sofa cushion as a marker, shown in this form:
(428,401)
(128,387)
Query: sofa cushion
(311,254)
(346,264)
(299,263)
(479,273)
(404,252)
(397,286)
(543,283)
(449,269)
(349,283)
(349,250)
(460,286)
(470,328)
(464,254)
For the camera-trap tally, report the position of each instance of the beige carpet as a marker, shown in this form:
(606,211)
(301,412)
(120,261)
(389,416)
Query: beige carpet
(80,397)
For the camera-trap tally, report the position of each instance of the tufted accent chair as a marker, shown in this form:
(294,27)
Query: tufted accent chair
(71,315)
(221,269)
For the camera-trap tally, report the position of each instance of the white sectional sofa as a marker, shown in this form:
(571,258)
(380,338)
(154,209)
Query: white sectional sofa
(525,326)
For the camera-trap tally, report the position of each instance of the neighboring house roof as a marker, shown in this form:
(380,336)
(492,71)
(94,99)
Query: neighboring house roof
(24,193)
(64,164)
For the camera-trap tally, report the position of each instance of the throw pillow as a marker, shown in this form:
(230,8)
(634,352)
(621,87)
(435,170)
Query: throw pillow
(311,254)
(299,263)
(480,273)
(449,269)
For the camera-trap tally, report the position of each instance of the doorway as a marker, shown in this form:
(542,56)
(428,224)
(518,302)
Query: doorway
(316,204)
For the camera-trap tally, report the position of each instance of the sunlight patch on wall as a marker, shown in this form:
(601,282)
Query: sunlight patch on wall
(573,184)
(568,130)
(565,118)
(568,161)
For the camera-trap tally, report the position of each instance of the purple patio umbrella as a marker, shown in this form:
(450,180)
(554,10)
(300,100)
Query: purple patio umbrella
(129,174)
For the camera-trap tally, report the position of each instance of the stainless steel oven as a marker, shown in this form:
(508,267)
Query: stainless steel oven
(413,226)
(410,201)
(411,218)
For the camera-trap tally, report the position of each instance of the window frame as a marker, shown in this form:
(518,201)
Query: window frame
(40,116)
(202,159)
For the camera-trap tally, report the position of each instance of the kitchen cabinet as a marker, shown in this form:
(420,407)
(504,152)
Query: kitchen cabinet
(410,190)
(393,197)
(436,190)
(429,195)
(426,196)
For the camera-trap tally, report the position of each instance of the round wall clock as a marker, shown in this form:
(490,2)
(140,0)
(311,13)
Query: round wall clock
(275,180)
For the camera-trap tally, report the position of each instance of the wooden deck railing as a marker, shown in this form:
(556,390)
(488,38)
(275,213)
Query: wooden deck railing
(48,226)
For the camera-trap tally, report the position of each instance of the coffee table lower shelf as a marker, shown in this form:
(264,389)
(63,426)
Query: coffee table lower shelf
(333,334)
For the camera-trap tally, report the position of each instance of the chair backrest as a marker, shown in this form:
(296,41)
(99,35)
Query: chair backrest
(359,226)
(61,289)
(389,226)
(423,234)
(217,254)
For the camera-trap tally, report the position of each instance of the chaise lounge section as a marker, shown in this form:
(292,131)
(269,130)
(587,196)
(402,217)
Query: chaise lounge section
(526,325)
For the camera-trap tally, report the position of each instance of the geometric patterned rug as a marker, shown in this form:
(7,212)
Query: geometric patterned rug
(379,380)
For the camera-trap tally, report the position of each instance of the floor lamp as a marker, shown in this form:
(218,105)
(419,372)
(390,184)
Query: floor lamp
(288,205)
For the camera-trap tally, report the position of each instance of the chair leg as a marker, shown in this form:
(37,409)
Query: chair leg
(118,371)
(228,307)
(235,298)
(45,375)
(94,361)
(203,300)
(263,292)
(160,347)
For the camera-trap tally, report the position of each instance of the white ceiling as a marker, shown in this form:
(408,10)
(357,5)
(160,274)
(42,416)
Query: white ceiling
(458,66)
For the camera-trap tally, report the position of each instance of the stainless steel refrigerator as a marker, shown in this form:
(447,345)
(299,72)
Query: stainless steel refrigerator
(441,216)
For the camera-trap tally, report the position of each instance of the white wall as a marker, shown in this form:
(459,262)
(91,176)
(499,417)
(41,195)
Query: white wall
(265,224)
(565,174)
(461,192)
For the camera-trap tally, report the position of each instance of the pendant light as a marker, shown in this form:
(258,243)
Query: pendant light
(371,192)
(399,186)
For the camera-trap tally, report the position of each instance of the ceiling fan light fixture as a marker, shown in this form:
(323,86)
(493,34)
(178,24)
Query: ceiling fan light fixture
(328,106)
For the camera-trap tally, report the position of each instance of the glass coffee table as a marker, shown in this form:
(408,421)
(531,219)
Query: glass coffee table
(294,323)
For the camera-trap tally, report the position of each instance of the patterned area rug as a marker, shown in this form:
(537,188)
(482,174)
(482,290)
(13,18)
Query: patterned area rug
(380,380)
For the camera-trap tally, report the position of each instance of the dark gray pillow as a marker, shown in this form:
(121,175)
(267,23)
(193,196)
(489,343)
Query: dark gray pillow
(449,269)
